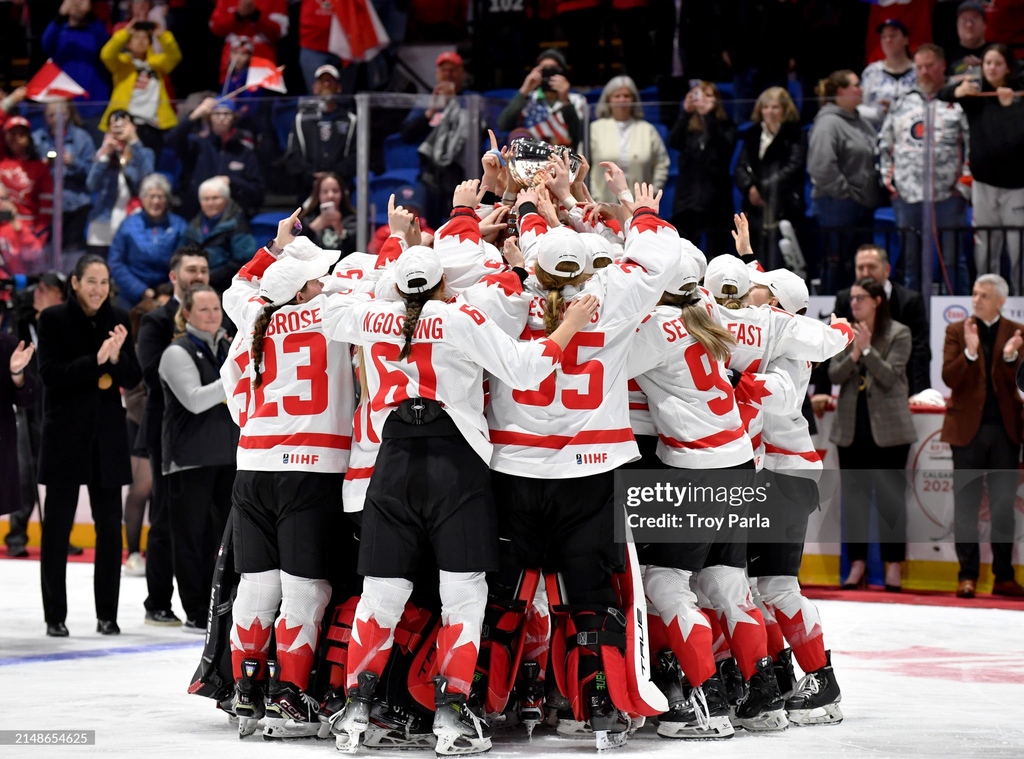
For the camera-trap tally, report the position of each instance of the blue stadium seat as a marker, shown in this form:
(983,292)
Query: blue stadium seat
(381,188)
(737,196)
(168,164)
(284,119)
(649,101)
(399,155)
(264,225)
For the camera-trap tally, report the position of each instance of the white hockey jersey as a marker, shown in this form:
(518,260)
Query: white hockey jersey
(763,335)
(787,439)
(454,343)
(300,418)
(691,398)
(576,422)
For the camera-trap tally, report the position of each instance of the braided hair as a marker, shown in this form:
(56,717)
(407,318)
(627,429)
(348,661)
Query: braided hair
(413,306)
(259,331)
(555,305)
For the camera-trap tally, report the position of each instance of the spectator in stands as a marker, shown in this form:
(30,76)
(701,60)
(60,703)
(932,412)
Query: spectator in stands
(873,431)
(970,32)
(48,291)
(144,10)
(145,242)
(85,357)
(188,267)
(139,73)
(330,219)
(770,172)
(545,106)
(262,22)
(19,247)
(621,135)
(221,229)
(315,21)
(79,151)
(25,179)
(705,137)
(885,80)
(17,388)
(841,162)
(74,40)
(122,162)
(219,152)
(199,441)
(323,137)
(440,130)
(997,159)
(980,361)
(901,150)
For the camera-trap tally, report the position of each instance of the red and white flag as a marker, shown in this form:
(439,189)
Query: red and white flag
(263,73)
(51,83)
(356,31)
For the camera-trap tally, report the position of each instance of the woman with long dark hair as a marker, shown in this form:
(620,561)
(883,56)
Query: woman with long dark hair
(330,219)
(873,432)
(86,356)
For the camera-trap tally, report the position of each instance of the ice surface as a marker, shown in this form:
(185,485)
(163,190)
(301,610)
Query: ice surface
(917,681)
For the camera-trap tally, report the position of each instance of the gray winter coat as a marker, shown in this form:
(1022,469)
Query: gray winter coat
(841,157)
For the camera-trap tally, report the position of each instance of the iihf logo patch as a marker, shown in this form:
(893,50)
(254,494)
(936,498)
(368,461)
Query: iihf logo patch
(579,459)
(284,458)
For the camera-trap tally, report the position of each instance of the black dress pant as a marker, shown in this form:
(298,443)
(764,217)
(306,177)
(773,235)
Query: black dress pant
(870,471)
(159,553)
(990,450)
(198,502)
(58,519)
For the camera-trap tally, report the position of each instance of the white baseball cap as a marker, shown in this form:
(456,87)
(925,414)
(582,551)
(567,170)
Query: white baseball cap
(418,270)
(598,249)
(759,276)
(327,69)
(561,246)
(284,278)
(696,253)
(687,277)
(727,270)
(790,290)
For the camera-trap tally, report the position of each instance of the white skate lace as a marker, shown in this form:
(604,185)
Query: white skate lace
(699,703)
(808,686)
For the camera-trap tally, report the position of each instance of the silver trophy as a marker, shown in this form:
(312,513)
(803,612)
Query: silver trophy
(527,158)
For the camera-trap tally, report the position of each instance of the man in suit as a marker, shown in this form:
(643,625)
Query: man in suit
(905,306)
(189,265)
(980,361)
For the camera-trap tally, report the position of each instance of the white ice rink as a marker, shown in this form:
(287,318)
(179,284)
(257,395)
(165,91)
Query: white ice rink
(917,681)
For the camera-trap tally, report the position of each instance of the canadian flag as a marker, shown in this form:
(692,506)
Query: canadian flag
(263,73)
(356,31)
(51,83)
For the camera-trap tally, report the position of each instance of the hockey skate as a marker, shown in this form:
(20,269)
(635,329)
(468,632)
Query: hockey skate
(695,713)
(732,680)
(397,728)
(530,692)
(247,708)
(290,712)
(784,674)
(816,699)
(351,722)
(458,728)
(762,710)
(610,726)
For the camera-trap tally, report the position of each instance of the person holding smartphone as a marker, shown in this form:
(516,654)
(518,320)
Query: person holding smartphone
(330,219)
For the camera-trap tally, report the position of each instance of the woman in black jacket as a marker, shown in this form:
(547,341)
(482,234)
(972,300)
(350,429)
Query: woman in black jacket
(770,172)
(85,356)
(329,219)
(705,137)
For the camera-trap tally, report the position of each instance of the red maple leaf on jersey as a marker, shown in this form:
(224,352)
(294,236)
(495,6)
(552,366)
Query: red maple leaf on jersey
(466,228)
(551,350)
(254,639)
(507,281)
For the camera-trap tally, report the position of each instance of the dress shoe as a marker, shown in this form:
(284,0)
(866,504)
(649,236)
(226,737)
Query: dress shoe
(858,577)
(75,550)
(1009,588)
(56,630)
(107,627)
(17,552)
(894,577)
(966,589)
(162,618)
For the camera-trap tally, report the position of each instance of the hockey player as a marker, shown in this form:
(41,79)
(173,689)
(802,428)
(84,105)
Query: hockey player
(678,359)
(793,467)
(556,447)
(762,335)
(430,490)
(295,398)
